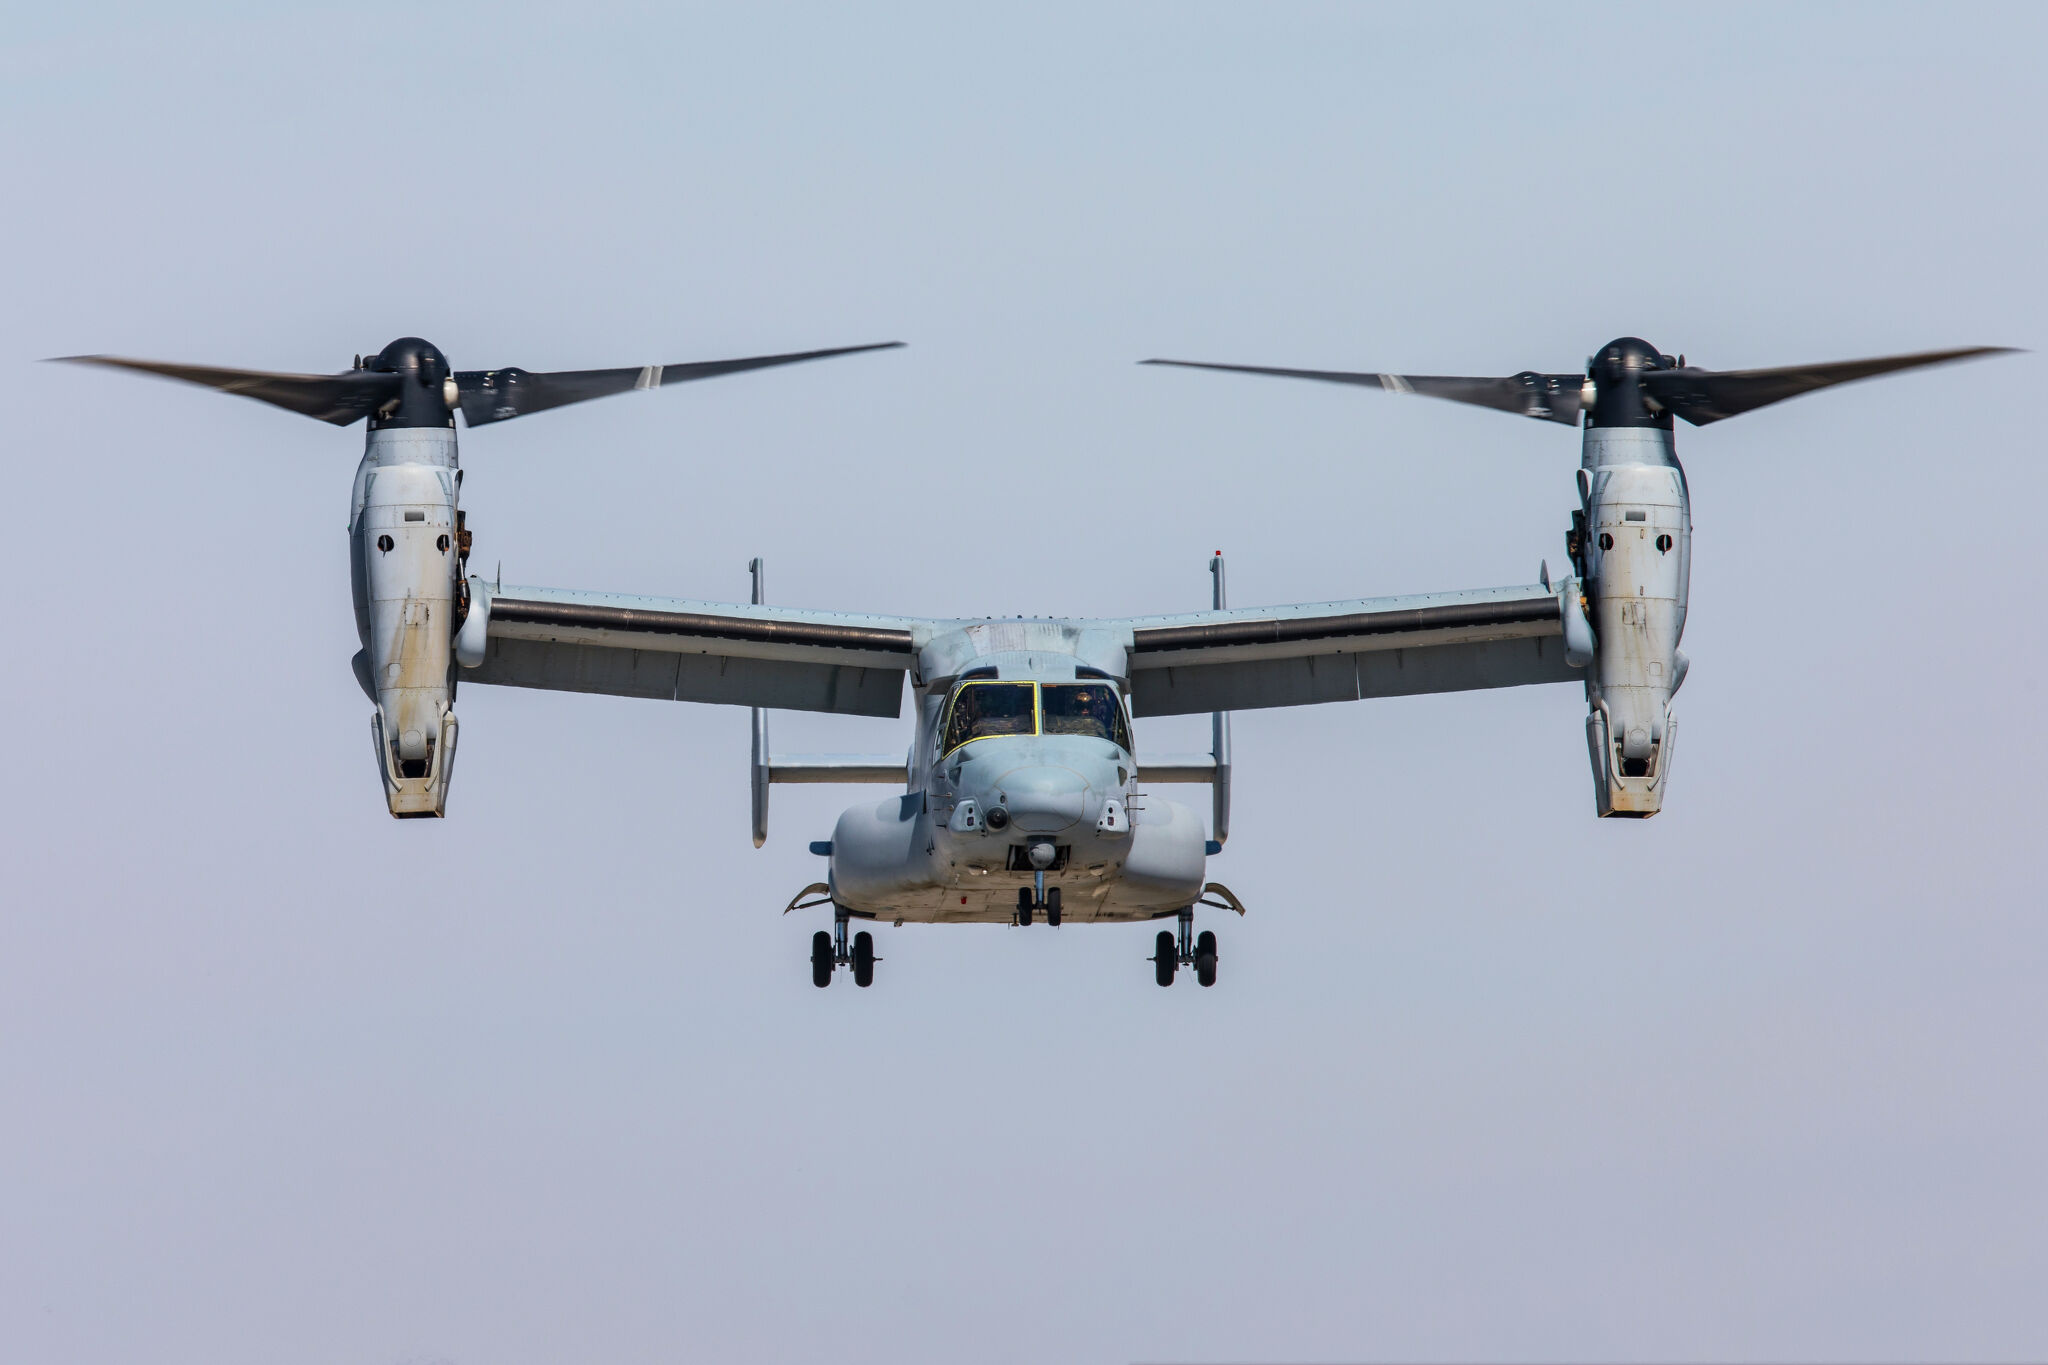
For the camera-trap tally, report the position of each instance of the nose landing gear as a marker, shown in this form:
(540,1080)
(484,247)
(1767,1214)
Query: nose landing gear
(1170,952)
(831,951)
(1033,898)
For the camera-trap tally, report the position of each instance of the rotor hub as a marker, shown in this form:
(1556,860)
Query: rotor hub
(1618,396)
(422,398)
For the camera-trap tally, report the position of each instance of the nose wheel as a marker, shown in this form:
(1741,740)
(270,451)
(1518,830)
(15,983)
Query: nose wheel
(1171,952)
(829,952)
(1031,899)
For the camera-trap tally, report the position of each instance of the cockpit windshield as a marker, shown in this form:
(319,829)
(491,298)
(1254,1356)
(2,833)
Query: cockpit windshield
(984,710)
(987,710)
(1090,709)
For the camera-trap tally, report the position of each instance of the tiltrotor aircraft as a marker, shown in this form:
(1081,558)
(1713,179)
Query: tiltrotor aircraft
(1023,794)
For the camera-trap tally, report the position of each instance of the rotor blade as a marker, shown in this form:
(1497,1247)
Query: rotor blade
(1703,396)
(338,398)
(499,395)
(1548,397)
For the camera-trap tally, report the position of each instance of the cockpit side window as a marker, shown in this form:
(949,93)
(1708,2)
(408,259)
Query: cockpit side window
(985,710)
(1091,709)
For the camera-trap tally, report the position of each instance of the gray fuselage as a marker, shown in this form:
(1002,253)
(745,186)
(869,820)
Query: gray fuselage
(956,846)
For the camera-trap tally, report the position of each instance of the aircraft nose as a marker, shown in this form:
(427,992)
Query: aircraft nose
(1044,800)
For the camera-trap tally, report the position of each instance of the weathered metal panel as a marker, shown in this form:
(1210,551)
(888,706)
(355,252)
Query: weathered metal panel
(683,631)
(402,534)
(665,676)
(1638,558)
(1186,690)
(577,668)
(1386,626)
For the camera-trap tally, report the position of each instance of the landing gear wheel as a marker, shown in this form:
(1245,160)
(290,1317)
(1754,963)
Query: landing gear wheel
(864,959)
(1024,906)
(821,958)
(1052,907)
(1205,958)
(1165,957)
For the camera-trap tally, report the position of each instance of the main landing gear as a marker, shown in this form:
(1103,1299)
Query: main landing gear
(1185,949)
(1035,897)
(831,951)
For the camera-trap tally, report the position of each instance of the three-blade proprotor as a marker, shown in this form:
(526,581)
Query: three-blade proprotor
(408,384)
(1629,383)
(499,395)
(338,398)
(1703,396)
(1619,614)
(1547,397)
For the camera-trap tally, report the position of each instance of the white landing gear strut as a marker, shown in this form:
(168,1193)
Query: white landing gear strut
(1035,897)
(829,952)
(1186,949)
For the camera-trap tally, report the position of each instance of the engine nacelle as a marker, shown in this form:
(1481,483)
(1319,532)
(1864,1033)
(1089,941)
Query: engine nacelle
(406,551)
(1636,552)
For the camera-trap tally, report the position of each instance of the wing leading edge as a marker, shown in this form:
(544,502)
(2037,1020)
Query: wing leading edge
(677,650)
(1246,658)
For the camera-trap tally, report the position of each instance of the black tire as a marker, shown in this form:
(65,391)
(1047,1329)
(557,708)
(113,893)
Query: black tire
(863,959)
(1052,907)
(821,958)
(1205,958)
(1024,906)
(1165,958)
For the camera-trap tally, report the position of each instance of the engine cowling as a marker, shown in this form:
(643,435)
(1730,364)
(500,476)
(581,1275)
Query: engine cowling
(404,536)
(1637,559)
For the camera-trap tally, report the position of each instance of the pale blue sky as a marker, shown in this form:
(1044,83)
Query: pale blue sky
(1485,1077)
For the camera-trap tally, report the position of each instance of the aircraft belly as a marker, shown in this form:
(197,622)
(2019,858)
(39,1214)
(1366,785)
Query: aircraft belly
(1101,903)
(1155,870)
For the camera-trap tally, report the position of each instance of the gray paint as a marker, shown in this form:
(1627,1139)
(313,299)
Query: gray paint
(921,857)
(1756,1080)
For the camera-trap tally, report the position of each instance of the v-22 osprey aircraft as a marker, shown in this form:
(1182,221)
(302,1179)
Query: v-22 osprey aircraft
(1023,796)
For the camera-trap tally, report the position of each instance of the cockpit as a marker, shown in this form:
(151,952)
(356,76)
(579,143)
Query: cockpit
(993,710)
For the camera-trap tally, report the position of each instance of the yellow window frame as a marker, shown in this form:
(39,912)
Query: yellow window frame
(1116,693)
(1037,711)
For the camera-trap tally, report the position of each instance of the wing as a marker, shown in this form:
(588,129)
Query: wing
(1246,658)
(676,650)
